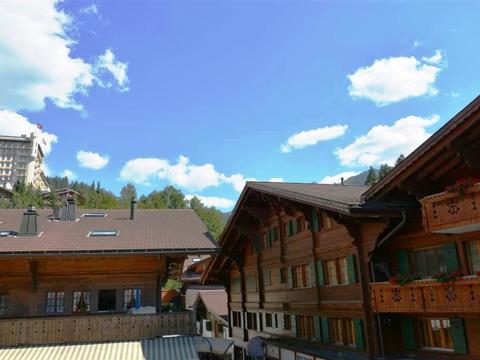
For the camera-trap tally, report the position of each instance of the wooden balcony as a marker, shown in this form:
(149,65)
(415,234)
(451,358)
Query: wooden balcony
(427,296)
(93,328)
(451,213)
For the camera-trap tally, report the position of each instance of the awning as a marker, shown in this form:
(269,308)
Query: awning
(166,348)
(213,345)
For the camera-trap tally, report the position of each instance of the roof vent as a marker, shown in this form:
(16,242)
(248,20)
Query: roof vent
(69,210)
(29,225)
(133,208)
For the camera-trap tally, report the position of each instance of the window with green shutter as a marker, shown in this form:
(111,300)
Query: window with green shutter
(317,322)
(315,221)
(320,280)
(325,330)
(258,239)
(312,275)
(450,257)
(408,334)
(294,226)
(290,277)
(403,264)
(458,336)
(359,339)
(352,274)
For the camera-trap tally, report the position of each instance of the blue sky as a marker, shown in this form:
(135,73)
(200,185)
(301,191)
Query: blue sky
(205,95)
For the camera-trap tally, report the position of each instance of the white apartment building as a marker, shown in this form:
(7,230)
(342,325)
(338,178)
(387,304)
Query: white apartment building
(21,159)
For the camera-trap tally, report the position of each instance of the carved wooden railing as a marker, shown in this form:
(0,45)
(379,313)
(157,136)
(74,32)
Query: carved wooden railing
(93,328)
(446,210)
(427,296)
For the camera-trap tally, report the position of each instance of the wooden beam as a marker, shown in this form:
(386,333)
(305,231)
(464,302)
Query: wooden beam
(32,271)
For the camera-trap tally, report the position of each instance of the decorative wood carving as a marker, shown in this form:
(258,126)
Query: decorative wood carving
(446,210)
(427,296)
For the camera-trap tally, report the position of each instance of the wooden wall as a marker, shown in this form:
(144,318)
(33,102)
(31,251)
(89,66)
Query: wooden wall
(27,280)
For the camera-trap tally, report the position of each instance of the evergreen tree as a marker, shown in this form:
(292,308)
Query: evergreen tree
(98,187)
(372,176)
(383,170)
(399,159)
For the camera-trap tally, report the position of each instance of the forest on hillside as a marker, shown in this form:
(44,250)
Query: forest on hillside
(94,196)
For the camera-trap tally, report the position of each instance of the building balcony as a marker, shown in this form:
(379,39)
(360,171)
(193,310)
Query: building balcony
(427,296)
(452,213)
(93,328)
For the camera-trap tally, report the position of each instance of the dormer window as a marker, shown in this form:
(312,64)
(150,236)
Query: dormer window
(94,233)
(8,233)
(95,215)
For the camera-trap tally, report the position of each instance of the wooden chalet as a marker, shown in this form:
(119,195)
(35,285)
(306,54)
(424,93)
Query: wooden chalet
(294,267)
(93,275)
(426,287)
(392,271)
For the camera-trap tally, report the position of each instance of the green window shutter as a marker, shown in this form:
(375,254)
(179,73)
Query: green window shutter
(294,226)
(257,243)
(320,280)
(325,333)
(289,228)
(318,328)
(402,262)
(352,274)
(315,222)
(297,328)
(408,334)
(290,277)
(458,336)
(311,274)
(359,340)
(450,257)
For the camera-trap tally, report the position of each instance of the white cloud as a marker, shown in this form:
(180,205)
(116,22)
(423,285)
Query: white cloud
(312,137)
(394,79)
(182,174)
(384,143)
(276,179)
(13,124)
(117,69)
(434,59)
(69,174)
(218,202)
(90,9)
(92,160)
(36,63)
(336,179)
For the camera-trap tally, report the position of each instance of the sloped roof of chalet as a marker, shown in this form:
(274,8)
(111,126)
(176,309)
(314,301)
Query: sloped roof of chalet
(152,231)
(419,154)
(215,301)
(338,198)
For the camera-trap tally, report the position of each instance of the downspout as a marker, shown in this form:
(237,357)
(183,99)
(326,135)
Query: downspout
(372,270)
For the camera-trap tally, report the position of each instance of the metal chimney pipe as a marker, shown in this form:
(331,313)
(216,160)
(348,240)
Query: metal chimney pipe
(341,180)
(133,208)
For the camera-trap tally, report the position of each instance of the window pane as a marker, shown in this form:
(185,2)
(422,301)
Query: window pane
(429,262)
(436,333)
(342,262)
(332,272)
(473,248)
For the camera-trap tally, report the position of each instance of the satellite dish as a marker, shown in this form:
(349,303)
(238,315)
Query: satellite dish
(255,347)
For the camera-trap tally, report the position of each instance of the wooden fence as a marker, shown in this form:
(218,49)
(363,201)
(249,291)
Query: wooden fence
(93,328)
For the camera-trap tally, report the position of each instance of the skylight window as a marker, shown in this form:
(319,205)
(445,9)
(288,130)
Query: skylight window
(95,215)
(94,233)
(8,233)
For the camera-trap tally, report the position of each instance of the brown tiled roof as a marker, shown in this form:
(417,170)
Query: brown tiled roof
(215,301)
(333,197)
(156,231)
